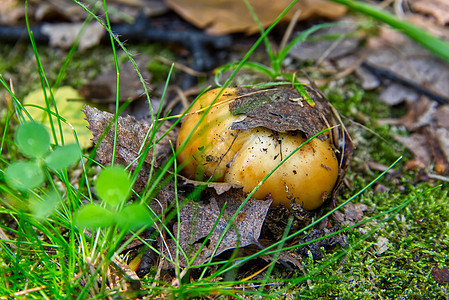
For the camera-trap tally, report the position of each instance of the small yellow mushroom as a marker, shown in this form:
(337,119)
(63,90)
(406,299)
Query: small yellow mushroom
(246,156)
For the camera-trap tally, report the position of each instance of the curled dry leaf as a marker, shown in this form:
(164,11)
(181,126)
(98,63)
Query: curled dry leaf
(131,141)
(198,220)
(282,110)
(429,140)
(353,213)
(220,17)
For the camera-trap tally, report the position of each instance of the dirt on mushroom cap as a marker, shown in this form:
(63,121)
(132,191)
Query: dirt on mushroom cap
(247,133)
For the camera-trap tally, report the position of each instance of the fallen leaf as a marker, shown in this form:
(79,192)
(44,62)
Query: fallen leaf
(442,136)
(282,110)
(63,35)
(315,247)
(131,141)
(69,110)
(441,116)
(401,57)
(429,146)
(419,114)
(344,41)
(439,9)
(219,187)
(104,87)
(11,12)
(57,11)
(198,220)
(353,213)
(382,245)
(285,258)
(408,73)
(122,277)
(440,275)
(219,17)
(417,144)
(428,24)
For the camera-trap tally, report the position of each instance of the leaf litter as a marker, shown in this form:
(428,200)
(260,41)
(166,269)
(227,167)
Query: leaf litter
(198,220)
(204,218)
(406,75)
(233,17)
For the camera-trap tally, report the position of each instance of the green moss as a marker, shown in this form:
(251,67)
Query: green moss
(417,236)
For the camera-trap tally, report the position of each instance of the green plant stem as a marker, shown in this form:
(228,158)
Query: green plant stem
(117,85)
(431,42)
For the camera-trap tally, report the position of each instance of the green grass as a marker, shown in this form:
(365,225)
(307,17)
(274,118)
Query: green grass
(55,258)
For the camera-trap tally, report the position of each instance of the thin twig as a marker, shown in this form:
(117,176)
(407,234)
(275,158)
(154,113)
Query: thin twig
(290,28)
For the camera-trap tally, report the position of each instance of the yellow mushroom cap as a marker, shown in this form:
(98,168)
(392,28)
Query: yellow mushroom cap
(246,156)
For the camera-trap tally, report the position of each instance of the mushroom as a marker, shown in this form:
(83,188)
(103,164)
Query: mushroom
(222,150)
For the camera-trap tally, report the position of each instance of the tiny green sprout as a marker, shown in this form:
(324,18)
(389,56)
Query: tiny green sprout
(94,216)
(134,216)
(113,187)
(24,175)
(42,208)
(33,140)
(62,157)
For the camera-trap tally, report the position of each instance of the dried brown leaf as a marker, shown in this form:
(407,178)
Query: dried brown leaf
(327,242)
(439,9)
(131,139)
(198,220)
(321,46)
(441,116)
(419,114)
(394,53)
(429,25)
(440,275)
(121,277)
(219,187)
(11,12)
(429,146)
(285,258)
(417,144)
(103,88)
(63,35)
(220,17)
(282,110)
(353,213)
